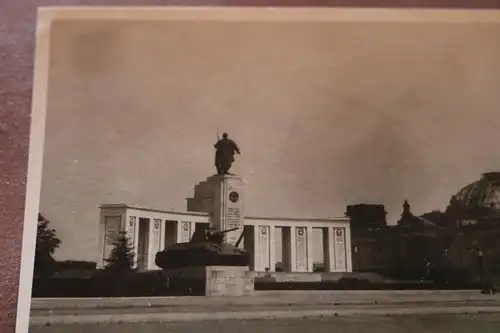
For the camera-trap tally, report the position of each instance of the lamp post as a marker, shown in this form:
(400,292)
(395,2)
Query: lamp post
(480,260)
(355,250)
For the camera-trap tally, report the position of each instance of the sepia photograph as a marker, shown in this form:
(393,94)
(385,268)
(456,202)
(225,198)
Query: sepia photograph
(244,169)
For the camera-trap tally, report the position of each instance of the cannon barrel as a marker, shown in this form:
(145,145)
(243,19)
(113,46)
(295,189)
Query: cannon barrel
(227,230)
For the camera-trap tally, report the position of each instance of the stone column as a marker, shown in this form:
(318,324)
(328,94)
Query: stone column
(293,249)
(348,248)
(178,232)
(184,231)
(272,250)
(301,246)
(310,250)
(151,244)
(133,235)
(263,248)
(142,249)
(154,241)
(340,249)
(163,240)
(256,244)
(102,239)
(256,250)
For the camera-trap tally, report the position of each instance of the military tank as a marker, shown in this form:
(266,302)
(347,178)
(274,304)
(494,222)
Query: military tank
(206,248)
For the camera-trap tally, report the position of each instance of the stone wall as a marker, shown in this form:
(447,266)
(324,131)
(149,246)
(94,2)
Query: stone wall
(218,280)
(229,281)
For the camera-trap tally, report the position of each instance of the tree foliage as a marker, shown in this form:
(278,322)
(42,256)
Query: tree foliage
(46,244)
(122,257)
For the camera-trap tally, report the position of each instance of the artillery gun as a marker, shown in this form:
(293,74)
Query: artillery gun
(206,248)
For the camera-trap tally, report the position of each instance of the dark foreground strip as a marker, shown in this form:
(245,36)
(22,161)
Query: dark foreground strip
(246,315)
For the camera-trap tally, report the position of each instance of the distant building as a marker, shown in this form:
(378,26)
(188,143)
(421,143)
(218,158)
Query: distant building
(469,225)
(477,203)
(367,216)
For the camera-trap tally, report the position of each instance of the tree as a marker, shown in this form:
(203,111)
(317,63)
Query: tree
(121,259)
(46,244)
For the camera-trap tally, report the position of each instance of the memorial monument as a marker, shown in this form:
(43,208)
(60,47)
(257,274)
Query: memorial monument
(212,261)
(222,195)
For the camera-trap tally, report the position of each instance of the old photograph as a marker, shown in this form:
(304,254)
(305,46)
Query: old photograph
(278,167)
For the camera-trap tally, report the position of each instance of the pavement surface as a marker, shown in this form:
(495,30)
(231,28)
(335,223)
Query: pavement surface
(265,305)
(270,298)
(483,323)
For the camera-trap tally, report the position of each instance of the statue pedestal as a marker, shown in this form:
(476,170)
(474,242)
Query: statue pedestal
(221,196)
(213,281)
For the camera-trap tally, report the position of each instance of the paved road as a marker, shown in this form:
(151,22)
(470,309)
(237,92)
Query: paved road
(268,298)
(266,306)
(483,323)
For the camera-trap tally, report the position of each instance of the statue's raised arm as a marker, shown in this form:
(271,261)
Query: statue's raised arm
(225,149)
(236,148)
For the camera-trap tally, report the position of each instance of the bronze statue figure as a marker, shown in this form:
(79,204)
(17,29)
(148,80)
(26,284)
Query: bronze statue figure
(224,154)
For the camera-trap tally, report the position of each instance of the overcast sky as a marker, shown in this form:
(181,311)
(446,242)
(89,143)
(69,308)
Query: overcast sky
(326,115)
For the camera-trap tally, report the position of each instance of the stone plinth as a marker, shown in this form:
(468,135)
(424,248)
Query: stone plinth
(203,199)
(204,205)
(215,280)
(221,196)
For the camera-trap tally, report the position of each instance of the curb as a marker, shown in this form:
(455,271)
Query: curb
(353,298)
(249,315)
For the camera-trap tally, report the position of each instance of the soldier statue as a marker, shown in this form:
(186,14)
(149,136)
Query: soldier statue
(224,154)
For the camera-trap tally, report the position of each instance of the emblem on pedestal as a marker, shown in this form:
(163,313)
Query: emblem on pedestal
(263,230)
(300,231)
(185,226)
(338,232)
(234,196)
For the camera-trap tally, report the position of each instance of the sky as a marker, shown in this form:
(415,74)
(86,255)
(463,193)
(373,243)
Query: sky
(325,114)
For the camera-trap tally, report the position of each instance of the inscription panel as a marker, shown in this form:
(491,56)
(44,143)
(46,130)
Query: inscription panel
(340,251)
(301,249)
(264,248)
(233,212)
(185,232)
(156,236)
(131,226)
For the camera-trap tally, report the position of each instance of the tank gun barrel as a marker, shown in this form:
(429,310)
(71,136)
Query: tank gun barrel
(228,230)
